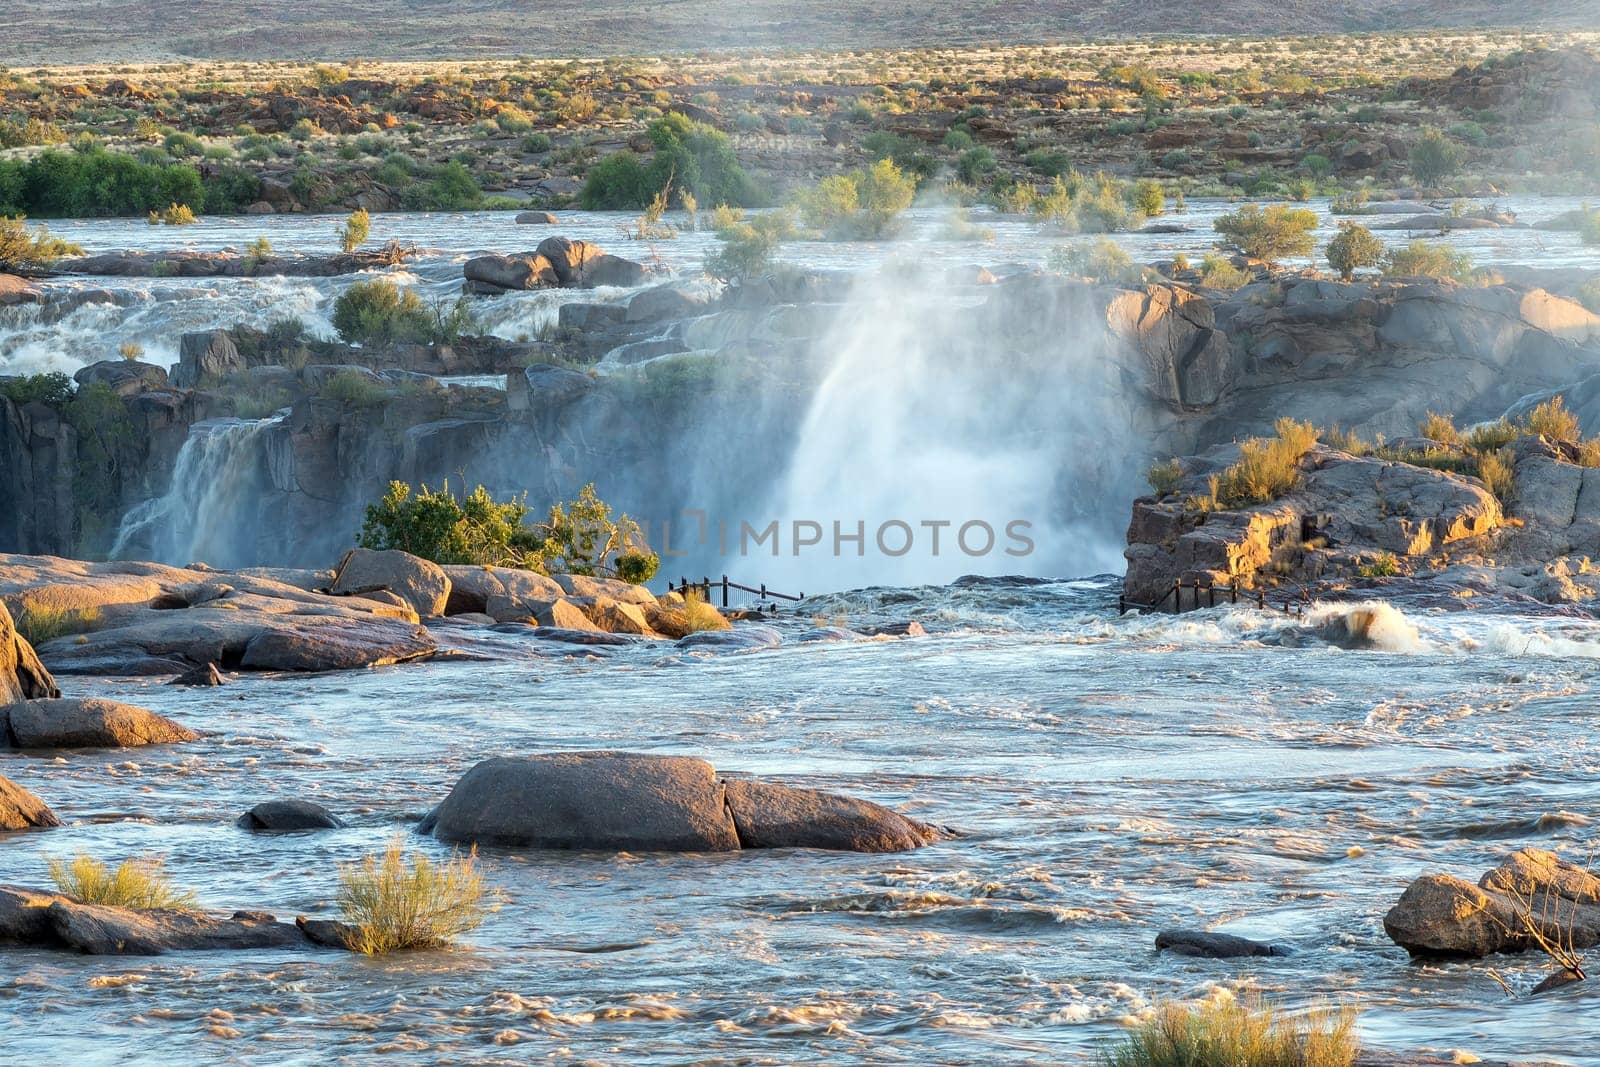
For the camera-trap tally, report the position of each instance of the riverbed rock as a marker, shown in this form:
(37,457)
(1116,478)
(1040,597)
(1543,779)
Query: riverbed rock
(126,377)
(417,581)
(22,676)
(536,218)
(206,356)
(1213,945)
(509,273)
(86,722)
(629,801)
(53,920)
(207,675)
(588,800)
(281,816)
(778,816)
(21,810)
(153,619)
(471,587)
(739,639)
(15,290)
(1442,915)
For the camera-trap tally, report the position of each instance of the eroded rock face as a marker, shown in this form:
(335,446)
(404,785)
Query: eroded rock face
(418,582)
(21,810)
(22,676)
(627,801)
(86,722)
(1442,915)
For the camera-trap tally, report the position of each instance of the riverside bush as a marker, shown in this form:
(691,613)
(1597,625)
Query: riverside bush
(1267,467)
(1354,248)
(94,183)
(392,905)
(859,205)
(22,248)
(380,312)
(1420,259)
(689,156)
(1269,235)
(1435,157)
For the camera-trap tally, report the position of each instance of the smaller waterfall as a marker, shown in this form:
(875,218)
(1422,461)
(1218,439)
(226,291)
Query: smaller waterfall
(217,472)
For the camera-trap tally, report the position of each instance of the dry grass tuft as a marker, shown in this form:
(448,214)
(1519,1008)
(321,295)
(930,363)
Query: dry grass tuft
(393,905)
(701,615)
(138,883)
(1552,419)
(1267,467)
(1440,428)
(1237,1034)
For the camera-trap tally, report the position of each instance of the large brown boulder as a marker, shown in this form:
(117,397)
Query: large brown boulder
(417,581)
(21,810)
(777,816)
(22,676)
(499,274)
(588,800)
(628,801)
(86,722)
(472,586)
(1442,915)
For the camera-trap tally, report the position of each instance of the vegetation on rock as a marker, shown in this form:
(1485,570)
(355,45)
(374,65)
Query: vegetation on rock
(1267,467)
(392,905)
(136,883)
(1354,248)
(1236,1034)
(1269,235)
(24,249)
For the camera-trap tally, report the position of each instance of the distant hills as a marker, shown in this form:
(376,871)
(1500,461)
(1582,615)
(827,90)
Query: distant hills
(110,31)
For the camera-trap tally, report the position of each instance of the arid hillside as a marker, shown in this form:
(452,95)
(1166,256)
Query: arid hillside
(80,31)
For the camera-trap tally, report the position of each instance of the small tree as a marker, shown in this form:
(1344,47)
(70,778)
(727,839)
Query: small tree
(1435,157)
(353,234)
(748,245)
(22,249)
(1354,248)
(1271,235)
(1149,199)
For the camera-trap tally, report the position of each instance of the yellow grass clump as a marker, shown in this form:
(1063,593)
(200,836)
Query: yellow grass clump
(1237,1034)
(137,883)
(392,904)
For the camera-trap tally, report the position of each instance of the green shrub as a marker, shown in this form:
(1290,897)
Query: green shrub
(22,249)
(1383,565)
(1420,259)
(380,312)
(1100,260)
(51,387)
(1589,228)
(1491,436)
(974,164)
(536,143)
(1434,158)
(580,537)
(1235,1034)
(1148,198)
(689,156)
(1051,162)
(392,905)
(1080,204)
(353,234)
(858,205)
(1271,235)
(1354,248)
(747,246)
(95,182)
(136,883)
(1217,272)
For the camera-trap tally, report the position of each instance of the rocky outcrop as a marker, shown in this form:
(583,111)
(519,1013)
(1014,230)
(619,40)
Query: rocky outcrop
(42,919)
(154,619)
(86,723)
(22,676)
(626,801)
(1533,890)
(15,290)
(21,810)
(192,263)
(283,816)
(1345,510)
(558,263)
(416,581)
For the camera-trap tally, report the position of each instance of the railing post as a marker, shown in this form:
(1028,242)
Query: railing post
(724,590)
(1177,596)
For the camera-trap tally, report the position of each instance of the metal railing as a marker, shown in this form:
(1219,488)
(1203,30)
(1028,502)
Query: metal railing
(705,585)
(1209,595)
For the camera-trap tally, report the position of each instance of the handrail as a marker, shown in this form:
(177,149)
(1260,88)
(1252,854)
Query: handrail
(1232,594)
(705,585)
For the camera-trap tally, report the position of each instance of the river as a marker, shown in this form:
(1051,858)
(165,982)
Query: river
(1105,777)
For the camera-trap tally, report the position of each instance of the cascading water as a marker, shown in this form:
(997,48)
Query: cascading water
(202,513)
(949,443)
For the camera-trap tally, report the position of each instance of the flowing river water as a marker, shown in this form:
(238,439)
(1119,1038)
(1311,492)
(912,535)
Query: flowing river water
(1105,778)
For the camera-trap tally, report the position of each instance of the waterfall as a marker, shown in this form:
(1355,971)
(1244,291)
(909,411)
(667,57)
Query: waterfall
(984,419)
(205,512)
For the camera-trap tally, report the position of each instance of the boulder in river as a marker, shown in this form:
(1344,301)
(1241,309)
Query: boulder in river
(53,920)
(280,816)
(207,675)
(1213,945)
(86,722)
(21,810)
(624,801)
(536,218)
(1442,915)
(417,581)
